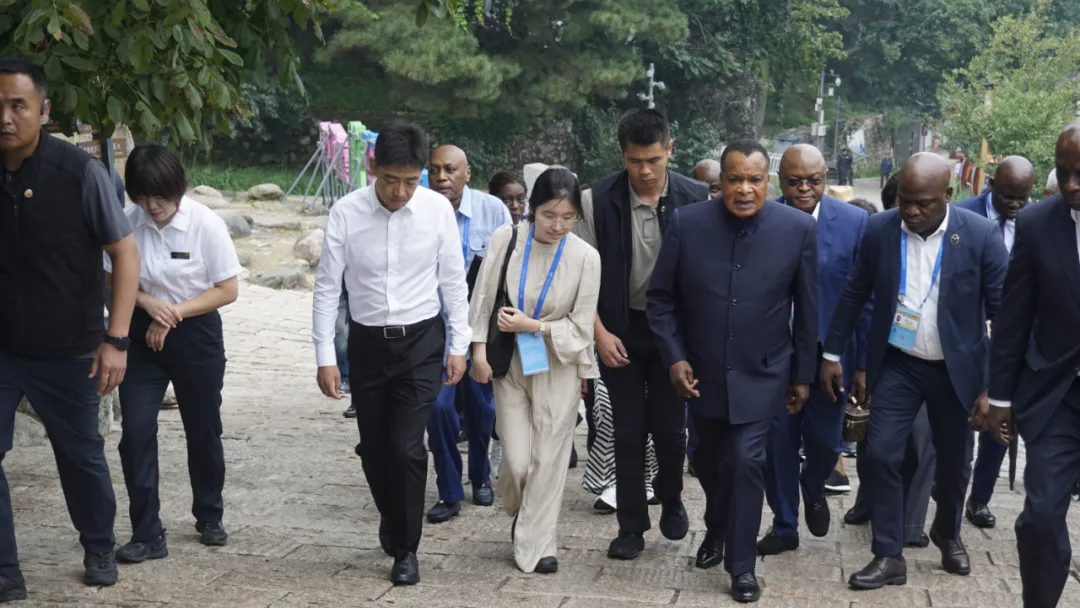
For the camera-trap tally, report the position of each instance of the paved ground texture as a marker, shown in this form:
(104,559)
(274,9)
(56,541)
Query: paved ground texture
(303,527)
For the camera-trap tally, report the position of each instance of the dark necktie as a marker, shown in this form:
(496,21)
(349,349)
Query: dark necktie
(1001,225)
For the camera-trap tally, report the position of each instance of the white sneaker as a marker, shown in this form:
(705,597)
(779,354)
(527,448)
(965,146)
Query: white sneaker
(496,457)
(605,503)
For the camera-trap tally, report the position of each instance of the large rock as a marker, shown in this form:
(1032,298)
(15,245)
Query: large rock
(309,246)
(266,192)
(213,202)
(30,431)
(207,191)
(245,258)
(238,226)
(286,278)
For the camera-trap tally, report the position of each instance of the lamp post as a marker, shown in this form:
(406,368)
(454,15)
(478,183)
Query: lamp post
(829,82)
(654,85)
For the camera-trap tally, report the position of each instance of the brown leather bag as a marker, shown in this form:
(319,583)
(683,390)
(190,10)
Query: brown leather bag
(856,423)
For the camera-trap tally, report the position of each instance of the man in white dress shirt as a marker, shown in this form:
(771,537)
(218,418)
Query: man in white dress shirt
(396,246)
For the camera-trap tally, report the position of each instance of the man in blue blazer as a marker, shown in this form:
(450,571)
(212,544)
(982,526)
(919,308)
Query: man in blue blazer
(1009,192)
(733,306)
(818,426)
(1034,367)
(935,272)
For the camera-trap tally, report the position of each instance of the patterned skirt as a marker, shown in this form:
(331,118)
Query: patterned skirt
(600,468)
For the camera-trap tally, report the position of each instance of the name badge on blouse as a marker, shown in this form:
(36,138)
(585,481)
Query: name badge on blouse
(905,324)
(181,255)
(533,353)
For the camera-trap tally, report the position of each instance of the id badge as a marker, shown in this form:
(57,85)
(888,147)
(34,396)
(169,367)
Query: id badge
(905,324)
(533,353)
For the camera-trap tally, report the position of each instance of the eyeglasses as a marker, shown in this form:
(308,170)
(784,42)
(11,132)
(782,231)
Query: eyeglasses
(794,182)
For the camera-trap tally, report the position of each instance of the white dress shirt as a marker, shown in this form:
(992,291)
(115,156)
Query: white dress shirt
(394,266)
(1076,218)
(1010,224)
(921,256)
(187,257)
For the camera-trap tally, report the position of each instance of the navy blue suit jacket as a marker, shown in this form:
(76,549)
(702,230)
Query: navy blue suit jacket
(840,229)
(1036,355)
(976,203)
(722,297)
(973,268)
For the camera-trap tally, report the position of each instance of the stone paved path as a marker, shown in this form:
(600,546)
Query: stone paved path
(303,528)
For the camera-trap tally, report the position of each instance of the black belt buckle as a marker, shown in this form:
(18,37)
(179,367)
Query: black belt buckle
(393,333)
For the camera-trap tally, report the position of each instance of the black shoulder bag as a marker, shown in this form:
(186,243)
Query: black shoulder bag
(500,345)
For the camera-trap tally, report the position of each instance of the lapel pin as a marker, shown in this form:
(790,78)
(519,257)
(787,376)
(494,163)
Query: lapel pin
(29,193)
(954,239)
(663,208)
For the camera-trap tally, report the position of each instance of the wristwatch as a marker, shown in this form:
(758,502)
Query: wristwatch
(121,344)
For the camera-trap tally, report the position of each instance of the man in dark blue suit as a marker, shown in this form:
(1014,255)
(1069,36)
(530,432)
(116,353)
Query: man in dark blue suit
(733,306)
(818,426)
(935,272)
(1009,191)
(1034,367)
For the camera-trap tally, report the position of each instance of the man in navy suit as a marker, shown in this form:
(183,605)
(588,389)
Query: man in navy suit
(733,306)
(935,272)
(1009,192)
(818,426)
(1034,367)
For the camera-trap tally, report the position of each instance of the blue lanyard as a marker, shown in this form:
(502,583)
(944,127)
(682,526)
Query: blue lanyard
(525,270)
(903,267)
(465,243)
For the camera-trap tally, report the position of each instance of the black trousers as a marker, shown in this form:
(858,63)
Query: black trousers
(643,401)
(194,361)
(730,465)
(394,383)
(65,398)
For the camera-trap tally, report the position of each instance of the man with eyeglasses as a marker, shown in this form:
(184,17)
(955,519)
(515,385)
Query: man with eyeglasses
(818,425)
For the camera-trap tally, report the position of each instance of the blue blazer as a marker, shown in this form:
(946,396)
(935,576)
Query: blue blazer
(1036,355)
(738,301)
(976,203)
(973,268)
(840,229)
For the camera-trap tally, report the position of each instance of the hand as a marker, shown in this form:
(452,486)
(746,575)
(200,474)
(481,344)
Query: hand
(481,371)
(979,412)
(512,320)
(161,311)
(155,336)
(109,367)
(797,396)
(584,388)
(455,369)
(999,422)
(682,377)
(858,387)
(612,352)
(832,373)
(329,378)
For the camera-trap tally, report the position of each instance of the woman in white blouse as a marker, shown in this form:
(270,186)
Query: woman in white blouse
(552,281)
(188,270)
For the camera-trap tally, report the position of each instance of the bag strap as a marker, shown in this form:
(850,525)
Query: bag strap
(506,263)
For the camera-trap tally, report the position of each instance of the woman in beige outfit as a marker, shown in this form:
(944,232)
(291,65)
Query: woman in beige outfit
(536,414)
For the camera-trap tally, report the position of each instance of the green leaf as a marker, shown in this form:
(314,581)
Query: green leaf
(142,53)
(183,125)
(81,40)
(159,90)
(150,123)
(180,80)
(53,70)
(115,108)
(204,77)
(79,63)
(123,50)
(70,98)
(142,5)
(193,97)
(422,13)
(119,11)
(231,57)
(54,27)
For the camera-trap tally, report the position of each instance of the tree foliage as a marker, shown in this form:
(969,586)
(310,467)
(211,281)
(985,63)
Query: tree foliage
(1030,75)
(169,68)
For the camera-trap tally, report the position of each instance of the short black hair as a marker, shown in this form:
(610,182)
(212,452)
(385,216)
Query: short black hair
(402,144)
(501,180)
(746,147)
(555,183)
(643,127)
(15,65)
(154,171)
(890,191)
(864,204)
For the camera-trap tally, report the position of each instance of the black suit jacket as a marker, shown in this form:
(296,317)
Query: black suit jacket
(1036,339)
(722,297)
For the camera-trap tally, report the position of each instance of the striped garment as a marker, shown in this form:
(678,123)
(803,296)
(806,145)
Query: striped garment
(600,468)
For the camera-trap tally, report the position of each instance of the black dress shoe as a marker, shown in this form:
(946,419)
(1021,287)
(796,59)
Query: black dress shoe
(137,553)
(442,512)
(818,518)
(627,545)
(857,516)
(211,534)
(710,554)
(674,523)
(385,539)
(350,412)
(100,569)
(745,589)
(12,588)
(979,515)
(772,544)
(880,572)
(921,543)
(406,570)
(954,557)
(547,565)
(482,496)
(690,469)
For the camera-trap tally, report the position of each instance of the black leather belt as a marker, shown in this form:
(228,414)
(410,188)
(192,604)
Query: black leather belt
(396,332)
